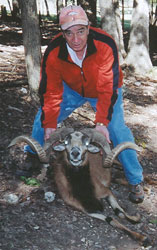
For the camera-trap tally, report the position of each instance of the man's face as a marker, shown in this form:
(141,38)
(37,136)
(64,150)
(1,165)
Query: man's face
(76,37)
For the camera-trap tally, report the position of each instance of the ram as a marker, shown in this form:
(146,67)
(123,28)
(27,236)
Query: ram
(83,172)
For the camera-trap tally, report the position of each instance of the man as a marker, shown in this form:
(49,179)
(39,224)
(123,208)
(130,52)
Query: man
(81,64)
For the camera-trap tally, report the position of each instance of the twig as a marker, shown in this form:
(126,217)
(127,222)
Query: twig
(86,117)
(9,73)
(13,108)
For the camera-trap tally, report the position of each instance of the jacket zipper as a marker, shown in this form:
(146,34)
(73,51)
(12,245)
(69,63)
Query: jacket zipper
(82,73)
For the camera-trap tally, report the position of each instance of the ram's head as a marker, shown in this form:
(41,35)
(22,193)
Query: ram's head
(75,147)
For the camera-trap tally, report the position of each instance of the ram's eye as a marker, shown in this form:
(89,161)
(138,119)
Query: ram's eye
(66,142)
(85,140)
(87,143)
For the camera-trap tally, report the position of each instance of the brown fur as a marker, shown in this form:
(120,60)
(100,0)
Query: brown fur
(101,180)
(65,189)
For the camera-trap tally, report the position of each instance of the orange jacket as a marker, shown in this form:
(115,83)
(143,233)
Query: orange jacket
(99,77)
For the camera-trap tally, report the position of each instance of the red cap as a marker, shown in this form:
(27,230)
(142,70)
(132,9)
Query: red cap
(72,15)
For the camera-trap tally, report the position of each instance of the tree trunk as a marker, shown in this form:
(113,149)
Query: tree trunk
(47,8)
(9,5)
(123,14)
(15,12)
(110,22)
(59,5)
(119,29)
(138,49)
(32,44)
(3,13)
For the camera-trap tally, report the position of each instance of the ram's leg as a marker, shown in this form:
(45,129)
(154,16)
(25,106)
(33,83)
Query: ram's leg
(113,222)
(120,211)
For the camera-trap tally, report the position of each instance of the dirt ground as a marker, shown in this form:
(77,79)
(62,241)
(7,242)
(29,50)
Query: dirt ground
(32,223)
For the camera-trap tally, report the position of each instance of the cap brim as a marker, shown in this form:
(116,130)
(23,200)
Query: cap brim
(76,22)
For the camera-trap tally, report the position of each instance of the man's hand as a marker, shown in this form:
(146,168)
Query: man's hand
(104,131)
(48,132)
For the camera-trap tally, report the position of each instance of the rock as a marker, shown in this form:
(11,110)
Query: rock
(23,90)
(49,196)
(112,248)
(137,83)
(11,198)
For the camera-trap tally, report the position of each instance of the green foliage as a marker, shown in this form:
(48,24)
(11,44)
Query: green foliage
(153,221)
(52,18)
(140,143)
(30,181)
(98,22)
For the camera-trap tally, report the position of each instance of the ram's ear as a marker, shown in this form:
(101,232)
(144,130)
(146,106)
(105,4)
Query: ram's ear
(59,147)
(93,148)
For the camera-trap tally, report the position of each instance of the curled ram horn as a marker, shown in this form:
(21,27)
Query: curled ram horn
(119,148)
(42,152)
(98,138)
(35,146)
